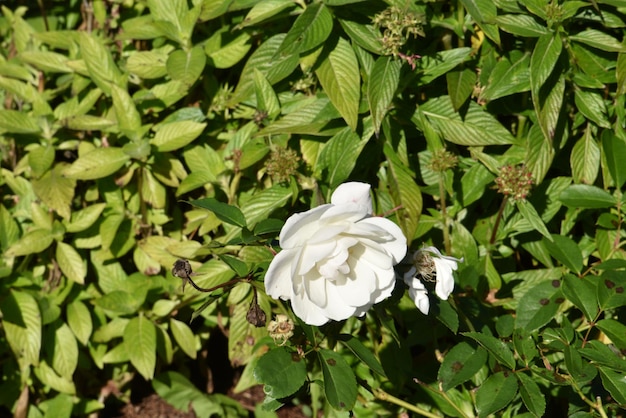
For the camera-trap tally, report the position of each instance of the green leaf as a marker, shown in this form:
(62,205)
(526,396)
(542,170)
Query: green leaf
(405,192)
(175,135)
(591,105)
(365,36)
(18,122)
(33,242)
(566,251)
(614,330)
(525,346)
(99,62)
(88,123)
(534,400)
(543,60)
(84,218)
(147,64)
(40,159)
(499,349)
(46,61)
(602,354)
(521,25)
(599,39)
(120,301)
(614,150)
(55,190)
(495,393)
(225,212)
(539,153)
(9,231)
(98,163)
(538,305)
(582,293)
(240,268)
(362,353)
(339,380)
(128,119)
(49,377)
(483,12)
(586,196)
(460,364)
(21,321)
(179,392)
(140,341)
(339,76)
(615,383)
(262,204)
(265,96)
(71,263)
(184,337)
(79,320)
(460,86)
(508,77)
(264,10)
(438,64)
(309,30)
(64,352)
(381,88)
(186,66)
(226,48)
(611,293)
(529,213)
(281,371)
(585,158)
(339,156)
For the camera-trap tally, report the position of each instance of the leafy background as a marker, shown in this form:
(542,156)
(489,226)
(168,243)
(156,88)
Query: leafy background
(136,133)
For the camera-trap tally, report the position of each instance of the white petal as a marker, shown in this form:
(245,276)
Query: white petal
(353,192)
(299,227)
(445,278)
(308,311)
(420,298)
(278,278)
(395,245)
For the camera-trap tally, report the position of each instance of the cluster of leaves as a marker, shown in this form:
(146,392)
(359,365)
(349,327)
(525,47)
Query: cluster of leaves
(116,114)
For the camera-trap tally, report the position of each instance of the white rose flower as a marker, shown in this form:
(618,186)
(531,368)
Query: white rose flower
(428,262)
(337,259)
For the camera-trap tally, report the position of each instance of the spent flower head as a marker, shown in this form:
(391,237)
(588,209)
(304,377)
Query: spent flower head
(442,160)
(282,163)
(280,329)
(514,181)
(397,26)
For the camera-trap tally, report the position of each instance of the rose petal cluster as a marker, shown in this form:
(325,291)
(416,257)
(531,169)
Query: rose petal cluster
(337,260)
(430,265)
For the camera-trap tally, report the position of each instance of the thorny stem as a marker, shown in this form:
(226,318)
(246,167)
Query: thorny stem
(384,396)
(498,219)
(442,201)
(597,405)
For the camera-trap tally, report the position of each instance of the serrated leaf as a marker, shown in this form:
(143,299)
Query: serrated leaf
(499,349)
(602,354)
(226,48)
(405,192)
(71,263)
(483,12)
(262,204)
(460,86)
(585,158)
(610,292)
(281,371)
(147,64)
(21,321)
(225,212)
(587,196)
(46,61)
(495,393)
(40,159)
(543,60)
(88,123)
(79,320)
(152,191)
(309,30)
(339,380)
(581,291)
(179,392)
(615,383)
(381,88)
(184,337)
(265,96)
(591,105)
(599,39)
(33,242)
(140,342)
(438,64)
(339,76)
(614,330)
(362,353)
(460,364)
(186,67)
(65,351)
(98,163)
(18,122)
(99,62)
(566,251)
(49,377)
(365,36)
(534,400)
(264,10)
(538,305)
(84,218)
(539,153)
(9,231)
(508,78)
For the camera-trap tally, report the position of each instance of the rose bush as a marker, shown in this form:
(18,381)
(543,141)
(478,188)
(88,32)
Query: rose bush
(337,260)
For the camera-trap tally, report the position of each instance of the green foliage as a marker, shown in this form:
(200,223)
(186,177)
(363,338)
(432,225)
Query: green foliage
(137,133)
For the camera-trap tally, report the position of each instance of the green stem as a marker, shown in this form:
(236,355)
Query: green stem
(498,218)
(444,215)
(384,396)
